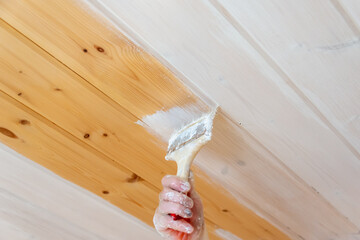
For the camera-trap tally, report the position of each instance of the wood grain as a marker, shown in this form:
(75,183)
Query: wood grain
(268,187)
(349,10)
(67,106)
(66,156)
(53,148)
(321,65)
(274,111)
(31,209)
(227,64)
(97,51)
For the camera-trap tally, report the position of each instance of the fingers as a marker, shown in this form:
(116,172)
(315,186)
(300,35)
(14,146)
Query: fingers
(173,196)
(175,183)
(178,209)
(165,222)
(176,198)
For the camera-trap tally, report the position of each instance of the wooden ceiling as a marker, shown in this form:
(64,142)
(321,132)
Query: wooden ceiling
(75,94)
(37,204)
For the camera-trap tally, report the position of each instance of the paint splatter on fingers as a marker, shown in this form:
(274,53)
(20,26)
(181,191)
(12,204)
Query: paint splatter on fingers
(173,196)
(175,183)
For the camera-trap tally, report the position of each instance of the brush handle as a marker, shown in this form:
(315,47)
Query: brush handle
(183,172)
(183,166)
(185,156)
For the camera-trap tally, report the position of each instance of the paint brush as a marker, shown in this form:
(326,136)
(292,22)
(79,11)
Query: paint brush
(187,142)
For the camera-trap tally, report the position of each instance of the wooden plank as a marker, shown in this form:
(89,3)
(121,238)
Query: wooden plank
(322,65)
(70,97)
(259,180)
(55,149)
(8,229)
(58,154)
(103,174)
(38,222)
(200,42)
(69,109)
(33,185)
(349,10)
(149,197)
(102,55)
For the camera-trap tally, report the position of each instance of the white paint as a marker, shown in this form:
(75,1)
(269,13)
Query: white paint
(226,235)
(190,131)
(37,204)
(251,92)
(298,149)
(164,123)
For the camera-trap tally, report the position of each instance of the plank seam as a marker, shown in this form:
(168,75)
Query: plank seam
(90,148)
(67,134)
(131,34)
(292,174)
(57,127)
(135,37)
(103,96)
(346,16)
(272,63)
(64,132)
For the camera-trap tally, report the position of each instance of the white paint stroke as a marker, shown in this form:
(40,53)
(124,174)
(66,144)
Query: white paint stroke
(226,235)
(117,25)
(163,123)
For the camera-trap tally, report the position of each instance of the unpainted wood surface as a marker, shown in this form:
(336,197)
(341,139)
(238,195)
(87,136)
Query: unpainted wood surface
(31,209)
(284,74)
(75,126)
(69,157)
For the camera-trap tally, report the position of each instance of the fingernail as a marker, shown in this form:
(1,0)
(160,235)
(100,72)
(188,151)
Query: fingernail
(188,212)
(189,229)
(189,204)
(185,186)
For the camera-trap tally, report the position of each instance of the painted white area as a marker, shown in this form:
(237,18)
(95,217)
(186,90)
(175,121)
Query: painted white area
(164,123)
(222,57)
(226,235)
(37,204)
(289,161)
(192,131)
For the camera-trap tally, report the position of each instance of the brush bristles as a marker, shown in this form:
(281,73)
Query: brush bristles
(190,132)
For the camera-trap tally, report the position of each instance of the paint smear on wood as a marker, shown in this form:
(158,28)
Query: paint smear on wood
(226,235)
(162,123)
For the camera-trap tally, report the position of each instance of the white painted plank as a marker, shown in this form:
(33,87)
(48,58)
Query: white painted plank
(257,179)
(37,204)
(310,44)
(313,45)
(7,229)
(226,235)
(37,221)
(350,9)
(198,41)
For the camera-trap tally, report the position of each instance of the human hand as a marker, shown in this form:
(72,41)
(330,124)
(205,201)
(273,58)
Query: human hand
(179,197)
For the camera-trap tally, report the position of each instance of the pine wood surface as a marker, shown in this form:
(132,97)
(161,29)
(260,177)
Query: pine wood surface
(284,156)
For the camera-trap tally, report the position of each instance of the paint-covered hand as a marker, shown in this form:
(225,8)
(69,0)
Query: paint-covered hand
(179,198)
